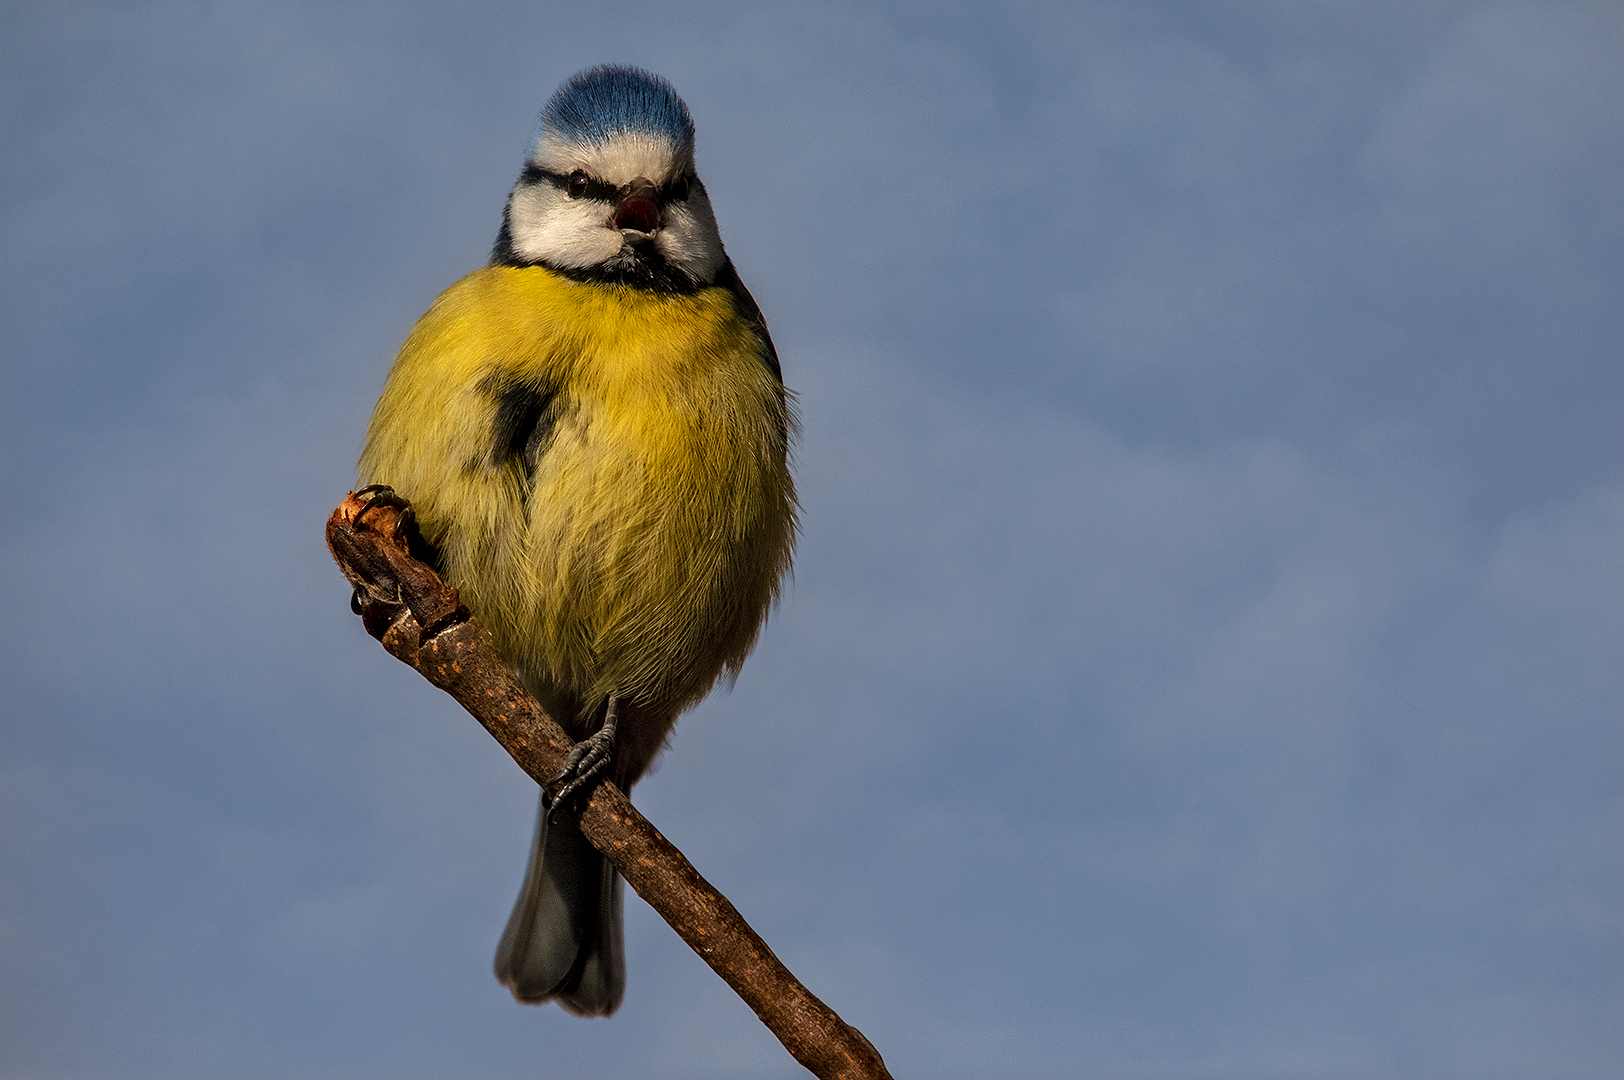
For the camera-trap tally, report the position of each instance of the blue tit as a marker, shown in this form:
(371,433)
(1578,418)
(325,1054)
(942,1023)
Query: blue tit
(595,434)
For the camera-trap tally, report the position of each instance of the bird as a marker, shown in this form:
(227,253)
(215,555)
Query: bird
(594,435)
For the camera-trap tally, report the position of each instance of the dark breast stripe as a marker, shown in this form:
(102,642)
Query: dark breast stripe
(525,415)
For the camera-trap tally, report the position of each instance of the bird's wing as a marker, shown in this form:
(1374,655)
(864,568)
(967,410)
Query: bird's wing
(728,278)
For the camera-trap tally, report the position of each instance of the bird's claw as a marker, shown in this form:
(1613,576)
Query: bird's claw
(378,495)
(374,496)
(587,762)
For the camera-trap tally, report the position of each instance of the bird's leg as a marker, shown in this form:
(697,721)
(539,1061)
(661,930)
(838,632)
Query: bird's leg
(589,759)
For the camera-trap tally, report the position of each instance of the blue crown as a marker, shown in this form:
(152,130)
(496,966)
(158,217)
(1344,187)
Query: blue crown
(602,102)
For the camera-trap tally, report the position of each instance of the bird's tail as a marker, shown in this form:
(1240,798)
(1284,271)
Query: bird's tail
(564,940)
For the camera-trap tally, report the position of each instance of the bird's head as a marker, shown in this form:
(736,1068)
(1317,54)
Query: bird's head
(610,192)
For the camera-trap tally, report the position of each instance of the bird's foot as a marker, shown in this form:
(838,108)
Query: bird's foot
(588,760)
(376,496)
(404,532)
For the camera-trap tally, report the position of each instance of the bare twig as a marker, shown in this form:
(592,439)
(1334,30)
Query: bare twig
(420,620)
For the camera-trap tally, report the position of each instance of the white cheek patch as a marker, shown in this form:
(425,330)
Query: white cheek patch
(545,225)
(690,238)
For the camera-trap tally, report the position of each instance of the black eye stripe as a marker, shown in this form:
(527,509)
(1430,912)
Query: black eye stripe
(595,189)
(674,190)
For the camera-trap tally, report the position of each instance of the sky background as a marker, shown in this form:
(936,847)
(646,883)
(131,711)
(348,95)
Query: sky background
(1206,650)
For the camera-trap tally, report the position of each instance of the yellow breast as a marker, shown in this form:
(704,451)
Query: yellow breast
(631,539)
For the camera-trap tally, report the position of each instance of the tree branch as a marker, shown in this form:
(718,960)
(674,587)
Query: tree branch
(421,622)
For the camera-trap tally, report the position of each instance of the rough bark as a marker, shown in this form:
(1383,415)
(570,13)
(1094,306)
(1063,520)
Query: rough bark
(420,621)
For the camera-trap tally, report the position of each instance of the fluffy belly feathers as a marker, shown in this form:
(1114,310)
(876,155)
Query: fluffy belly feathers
(604,474)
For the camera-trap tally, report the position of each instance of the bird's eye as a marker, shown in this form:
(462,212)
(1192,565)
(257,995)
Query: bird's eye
(677,190)
(577,184)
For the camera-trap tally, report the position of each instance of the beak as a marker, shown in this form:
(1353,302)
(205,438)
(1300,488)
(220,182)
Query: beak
(639,209)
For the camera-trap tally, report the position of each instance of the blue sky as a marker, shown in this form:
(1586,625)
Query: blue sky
(1204,656)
